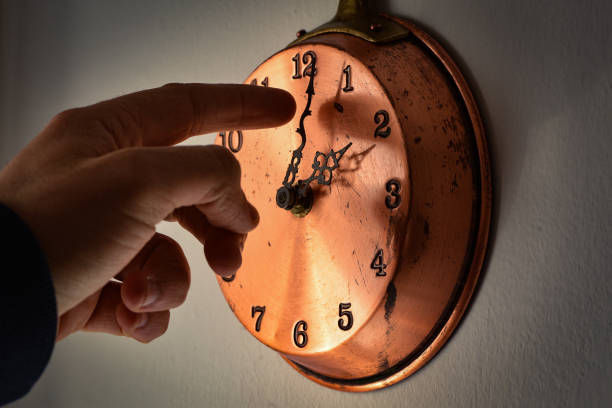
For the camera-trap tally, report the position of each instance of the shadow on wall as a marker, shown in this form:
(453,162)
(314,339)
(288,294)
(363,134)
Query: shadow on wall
(532,68)
(30,54)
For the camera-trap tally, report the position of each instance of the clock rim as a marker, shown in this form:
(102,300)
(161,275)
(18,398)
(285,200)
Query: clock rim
(459,302)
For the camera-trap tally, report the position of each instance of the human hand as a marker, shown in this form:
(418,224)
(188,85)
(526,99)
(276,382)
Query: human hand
(96,181)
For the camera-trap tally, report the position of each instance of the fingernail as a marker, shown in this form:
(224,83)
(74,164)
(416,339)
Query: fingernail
(143,319)
(153,292)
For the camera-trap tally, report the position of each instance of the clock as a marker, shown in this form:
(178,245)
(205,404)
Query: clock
(375,203)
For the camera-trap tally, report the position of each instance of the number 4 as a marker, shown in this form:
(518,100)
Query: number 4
(377,263)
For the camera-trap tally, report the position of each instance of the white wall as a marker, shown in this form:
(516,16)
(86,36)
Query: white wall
(539,332)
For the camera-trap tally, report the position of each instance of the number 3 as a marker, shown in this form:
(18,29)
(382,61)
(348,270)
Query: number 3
(394,199)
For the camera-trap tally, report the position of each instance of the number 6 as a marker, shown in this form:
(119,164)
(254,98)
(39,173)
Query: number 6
(300,338)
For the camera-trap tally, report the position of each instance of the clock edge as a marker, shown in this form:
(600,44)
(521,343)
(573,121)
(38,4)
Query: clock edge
(442,333)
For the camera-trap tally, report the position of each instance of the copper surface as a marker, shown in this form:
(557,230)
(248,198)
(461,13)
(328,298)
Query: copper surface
(434,243)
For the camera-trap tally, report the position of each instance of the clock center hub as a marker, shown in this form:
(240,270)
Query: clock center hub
(298,199)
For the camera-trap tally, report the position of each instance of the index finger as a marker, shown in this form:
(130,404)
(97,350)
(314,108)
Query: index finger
(168,115)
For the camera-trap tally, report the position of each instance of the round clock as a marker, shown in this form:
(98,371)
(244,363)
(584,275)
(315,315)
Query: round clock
(374,202)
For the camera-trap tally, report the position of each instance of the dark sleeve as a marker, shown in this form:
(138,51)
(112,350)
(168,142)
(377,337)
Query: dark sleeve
(28,316)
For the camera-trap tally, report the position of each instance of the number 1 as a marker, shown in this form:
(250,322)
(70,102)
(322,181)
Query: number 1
(347,72)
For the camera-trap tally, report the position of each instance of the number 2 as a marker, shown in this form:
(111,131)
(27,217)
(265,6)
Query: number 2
(380,131)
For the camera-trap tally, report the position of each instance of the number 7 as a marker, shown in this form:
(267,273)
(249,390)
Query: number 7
(261,310)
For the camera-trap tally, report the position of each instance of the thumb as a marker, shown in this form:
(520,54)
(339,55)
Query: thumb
(158,180)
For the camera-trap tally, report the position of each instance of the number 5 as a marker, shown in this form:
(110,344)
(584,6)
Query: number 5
(343,311)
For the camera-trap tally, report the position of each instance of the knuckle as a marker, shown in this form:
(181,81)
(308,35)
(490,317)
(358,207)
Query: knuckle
(131,176)
(222,171)
(132,167)
(226,162)
(175,274)
(225,210)
(126,120)
(68,117)
(173,85)
(157,327)
(162,323)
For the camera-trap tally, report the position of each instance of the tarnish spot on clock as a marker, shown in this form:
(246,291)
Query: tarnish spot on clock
(339,107)
(454,185)
(360,269)
(419,236)
(390,301)
(383,361)
(462,150)
(393,219)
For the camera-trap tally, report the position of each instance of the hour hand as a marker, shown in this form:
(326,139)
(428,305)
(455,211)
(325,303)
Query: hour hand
(292,169)
(299,198)
(324,165)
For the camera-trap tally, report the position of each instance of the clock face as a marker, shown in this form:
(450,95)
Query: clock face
(308,283)
(375,205)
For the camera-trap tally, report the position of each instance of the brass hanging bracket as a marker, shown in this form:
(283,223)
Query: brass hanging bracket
(354,17)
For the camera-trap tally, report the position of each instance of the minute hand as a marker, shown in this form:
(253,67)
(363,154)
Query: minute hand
(296,157)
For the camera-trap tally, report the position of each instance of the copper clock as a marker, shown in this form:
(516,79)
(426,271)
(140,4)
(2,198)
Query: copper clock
(374,201)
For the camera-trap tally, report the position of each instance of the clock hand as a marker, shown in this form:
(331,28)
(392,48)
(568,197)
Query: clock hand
(298,199)
(286,196)
(296,157)
(322,172)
